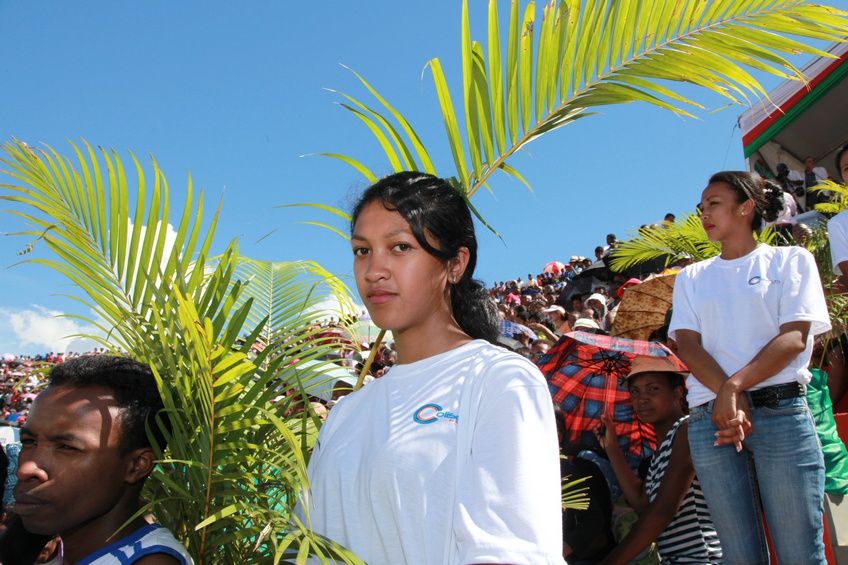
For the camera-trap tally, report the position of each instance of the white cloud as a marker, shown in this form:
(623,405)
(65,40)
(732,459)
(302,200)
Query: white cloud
(37,328)
(170,239)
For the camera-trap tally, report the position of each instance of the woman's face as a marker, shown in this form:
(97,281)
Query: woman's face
(401,284)
(653,398)
(722,215)
(843,167)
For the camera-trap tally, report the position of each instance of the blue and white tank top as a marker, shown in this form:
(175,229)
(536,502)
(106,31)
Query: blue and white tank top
(151,539)
(691,536)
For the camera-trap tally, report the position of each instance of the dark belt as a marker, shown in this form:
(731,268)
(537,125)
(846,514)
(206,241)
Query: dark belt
(771,395)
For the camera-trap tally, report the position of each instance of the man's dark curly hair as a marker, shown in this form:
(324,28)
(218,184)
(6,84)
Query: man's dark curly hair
(135,390)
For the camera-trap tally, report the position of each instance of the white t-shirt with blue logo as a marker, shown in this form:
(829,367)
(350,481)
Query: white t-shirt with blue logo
(738,306)
(384,475)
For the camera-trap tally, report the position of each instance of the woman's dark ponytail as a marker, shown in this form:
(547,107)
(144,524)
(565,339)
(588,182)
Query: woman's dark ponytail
(473,309)
(432,206)
(773,203)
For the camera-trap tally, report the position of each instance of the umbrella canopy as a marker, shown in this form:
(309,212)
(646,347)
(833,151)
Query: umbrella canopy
(585,374)
(510,329)
(644,307)
(554,267)
(597,270)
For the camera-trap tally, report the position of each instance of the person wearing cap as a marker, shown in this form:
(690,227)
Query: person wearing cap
(586,325)
(670,503)
(598,303)
(559,317)
(627,284)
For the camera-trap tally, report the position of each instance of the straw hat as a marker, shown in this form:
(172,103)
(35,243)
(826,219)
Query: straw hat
(642,364)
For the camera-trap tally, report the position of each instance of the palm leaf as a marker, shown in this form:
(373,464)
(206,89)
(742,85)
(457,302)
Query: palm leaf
(234,465)
(575,494)
(685,238)
(589,53)
(282,292)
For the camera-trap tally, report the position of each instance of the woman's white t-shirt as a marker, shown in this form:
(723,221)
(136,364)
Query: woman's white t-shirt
(739,305)
(384,475)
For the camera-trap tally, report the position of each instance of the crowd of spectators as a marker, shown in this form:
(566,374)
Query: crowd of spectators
(22,376)
(579,294)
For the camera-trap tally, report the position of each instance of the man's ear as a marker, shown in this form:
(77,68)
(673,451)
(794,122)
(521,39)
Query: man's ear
(140,463)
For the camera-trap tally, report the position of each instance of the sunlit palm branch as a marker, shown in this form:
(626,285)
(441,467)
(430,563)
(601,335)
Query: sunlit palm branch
(234,466)
(685,239)
(589,53)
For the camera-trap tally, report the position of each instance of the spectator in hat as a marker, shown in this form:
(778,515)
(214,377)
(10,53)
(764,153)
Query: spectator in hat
(598,303)
(669,501)
(586,325)
(627,284)
(559,317)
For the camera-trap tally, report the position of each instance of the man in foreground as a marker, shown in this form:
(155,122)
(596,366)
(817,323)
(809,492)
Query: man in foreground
(84,460)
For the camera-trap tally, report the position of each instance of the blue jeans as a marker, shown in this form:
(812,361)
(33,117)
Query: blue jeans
(780,470)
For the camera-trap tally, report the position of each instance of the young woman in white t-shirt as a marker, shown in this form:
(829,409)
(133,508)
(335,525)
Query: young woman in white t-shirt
(451,457)
(744,323)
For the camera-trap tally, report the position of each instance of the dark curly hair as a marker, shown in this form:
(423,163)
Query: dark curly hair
(431,205)
(135,390)
(766,194)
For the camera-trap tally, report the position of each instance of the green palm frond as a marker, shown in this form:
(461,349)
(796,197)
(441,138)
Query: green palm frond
(575,494)
(82,213)
(240,464)
(236,457)
(685,238)
(589,53)
(282,292)
(838,197)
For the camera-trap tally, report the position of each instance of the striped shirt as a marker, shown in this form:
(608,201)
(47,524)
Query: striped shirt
(691,536)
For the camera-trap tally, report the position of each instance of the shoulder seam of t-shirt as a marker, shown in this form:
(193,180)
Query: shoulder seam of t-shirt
(471,348)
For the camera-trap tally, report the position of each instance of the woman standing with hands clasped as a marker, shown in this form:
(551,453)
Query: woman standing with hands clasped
(744,323)
(451,457)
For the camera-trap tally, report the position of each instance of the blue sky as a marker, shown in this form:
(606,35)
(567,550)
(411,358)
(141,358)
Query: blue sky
(234,94)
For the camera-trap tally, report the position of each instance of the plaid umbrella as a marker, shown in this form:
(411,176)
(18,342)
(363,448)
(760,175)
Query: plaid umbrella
(585,373)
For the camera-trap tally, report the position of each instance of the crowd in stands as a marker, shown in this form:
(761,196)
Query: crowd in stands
(22,376)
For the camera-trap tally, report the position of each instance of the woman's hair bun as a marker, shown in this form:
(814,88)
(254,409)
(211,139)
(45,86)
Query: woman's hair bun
(773,203)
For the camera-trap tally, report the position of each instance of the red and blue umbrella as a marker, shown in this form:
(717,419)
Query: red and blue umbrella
(585,373)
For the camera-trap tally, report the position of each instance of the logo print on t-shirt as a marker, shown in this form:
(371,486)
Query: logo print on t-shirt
(431,412)
(755,280)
